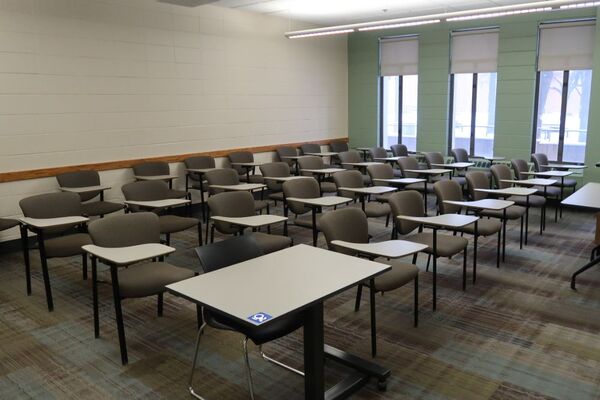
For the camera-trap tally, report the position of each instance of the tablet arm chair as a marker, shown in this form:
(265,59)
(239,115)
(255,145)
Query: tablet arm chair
(316,162)
(353,156)
(279,170)
(302,188)
(353,179)
(399,150)
(79,179)
(350,225)
(196,180)
(155,168)
(310,148)
(283,152)
(245,174)
(139,279)
(223,254)
(540,159)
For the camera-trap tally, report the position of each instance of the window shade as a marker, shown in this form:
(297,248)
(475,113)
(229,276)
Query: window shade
(566,46)
(474,51)
(399,56)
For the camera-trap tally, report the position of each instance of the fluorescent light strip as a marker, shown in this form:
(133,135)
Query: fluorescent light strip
(499,14)
(581,5)
(325,33)
(400,25)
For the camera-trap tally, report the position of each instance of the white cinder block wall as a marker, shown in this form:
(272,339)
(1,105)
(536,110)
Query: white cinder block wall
(85,81)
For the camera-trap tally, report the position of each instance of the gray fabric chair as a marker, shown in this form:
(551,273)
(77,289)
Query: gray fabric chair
(158,190)
(353,179)
(435,157)
(154,168)
(350,225)
(337,147)
(241,204)
(197,180)
(283,152)
(408,163)
(385,171)
(228,176)
(141,279)
(316,162)
(540,159)
(275,169)
(502,172)
(223,254)
(399,150)
(56,242)
(7,223)
(520,167)
(461,155)
(90,208)
(306,189)
(310,148)
(451,190)
(409,203)
(244,174)
(378,152)
(353,156)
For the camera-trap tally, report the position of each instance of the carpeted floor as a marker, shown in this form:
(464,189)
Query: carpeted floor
(520,332)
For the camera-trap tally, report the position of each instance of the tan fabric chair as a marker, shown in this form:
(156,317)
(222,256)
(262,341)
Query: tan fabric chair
(399,150)
(409,203)
(196,180)
(159,168)
(228,176)
(158,190)
(450,190)
(243,174)
(275,169)
(241,204)
(310,148)
(142,279)
(385,171)
(353,179)
(338,147)
(90,208)
(521,166)
(302,188)
(316,162)
(540,159)
(56,242)
(436,157)
(377,152)
(7,223)
(283,152)
(350,225)
(353,156)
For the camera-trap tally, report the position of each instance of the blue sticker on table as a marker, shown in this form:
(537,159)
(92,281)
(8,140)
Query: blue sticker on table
(259,318)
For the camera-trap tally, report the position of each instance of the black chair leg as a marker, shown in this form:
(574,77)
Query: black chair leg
(159,305)
(414,260)
(168,237)
(84,264)
(212,233)
(44,262)
(498,250)
(387,220)
(358,297)
(416,312)
(119,314)
(199,317)
(95,297)
(25,248)
(428,260)
(200,234)
(464,280)
(373,319)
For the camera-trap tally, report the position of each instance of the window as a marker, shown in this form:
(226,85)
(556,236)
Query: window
(563,91)
(399,91)
(473,91)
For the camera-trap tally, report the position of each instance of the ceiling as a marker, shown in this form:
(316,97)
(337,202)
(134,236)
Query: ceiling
(337,12)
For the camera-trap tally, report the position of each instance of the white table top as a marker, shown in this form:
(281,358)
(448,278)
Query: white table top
(254,221)
(443,220)
(530,182)
(484,204)
(369,189)
(240,187)
(388,249)
(456,165)
(491,158)
(246,164)
(323,170)
(388,158)
(286,178)
(85,189)
(402,181)
(363,148)
(432,171)
(129,255)
(564,166)
(511,191)
(200,170)
(361,164)
(158,203)
(588,197)
(323,154)
(277,283)
(42,223)
(292,157)
(327,201)
(155,177)
(558,174)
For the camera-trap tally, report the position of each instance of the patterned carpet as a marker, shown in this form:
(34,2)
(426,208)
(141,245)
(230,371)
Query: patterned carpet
(519,333)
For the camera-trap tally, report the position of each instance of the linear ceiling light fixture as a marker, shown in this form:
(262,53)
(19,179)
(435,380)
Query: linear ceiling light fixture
(581,5)
(323,33)
(399,25)
(499,14)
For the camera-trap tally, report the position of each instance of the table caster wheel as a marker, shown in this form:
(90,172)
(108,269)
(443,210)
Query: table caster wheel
(382,386)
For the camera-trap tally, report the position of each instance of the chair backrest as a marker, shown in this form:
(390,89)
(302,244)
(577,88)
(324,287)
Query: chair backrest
(303,188)
(240,157)
(352,179)
(228,252)
(221,176)
(338,147)
(410,203)
(348,224)
(230,204)
(310,148)
(151,168)
(520,166)
(125,230)
(408,163)
(277,169)
(477,180)
(51,205)
(286,152)
(399,150)
(350,156)
(378,152)
(500,172)
(538,160)
(434,157)
(146,190)
(448,190)
(460,155)
(310,162)
(199,162)
(80,179)
(380,171)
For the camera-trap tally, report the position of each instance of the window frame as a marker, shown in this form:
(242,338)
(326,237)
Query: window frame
(473,114)
(381,109)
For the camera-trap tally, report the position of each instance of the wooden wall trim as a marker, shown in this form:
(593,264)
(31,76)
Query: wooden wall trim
(109,165)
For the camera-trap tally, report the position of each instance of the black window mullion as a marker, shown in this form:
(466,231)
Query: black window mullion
(451,114)
(535,113)
(381,95)
(400,99)
(563,116)
(473,115)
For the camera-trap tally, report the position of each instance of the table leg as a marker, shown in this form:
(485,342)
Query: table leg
(543,221)
(425,196)
(314,226)
(362,201)
(314,358)
(434,268)
(475,251)
(503,236)
(562,193)
(202,204)
(583,269)
(526,219)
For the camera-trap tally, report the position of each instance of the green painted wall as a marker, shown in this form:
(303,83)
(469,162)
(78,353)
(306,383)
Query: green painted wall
(515,91)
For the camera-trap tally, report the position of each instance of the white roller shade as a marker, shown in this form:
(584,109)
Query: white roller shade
(566,46)
(474,51)
(399,56)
